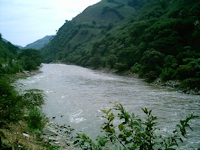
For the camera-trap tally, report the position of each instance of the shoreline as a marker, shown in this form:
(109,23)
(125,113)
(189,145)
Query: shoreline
(158,82)
(59,135)
(174,84)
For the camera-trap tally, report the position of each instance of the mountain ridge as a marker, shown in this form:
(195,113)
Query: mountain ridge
(40,43)
(74,34)
(157,39)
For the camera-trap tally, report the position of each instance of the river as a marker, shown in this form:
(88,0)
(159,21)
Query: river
(75,96)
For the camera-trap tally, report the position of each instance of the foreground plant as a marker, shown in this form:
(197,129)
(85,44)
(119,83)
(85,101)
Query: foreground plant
(20,114)
(133,133)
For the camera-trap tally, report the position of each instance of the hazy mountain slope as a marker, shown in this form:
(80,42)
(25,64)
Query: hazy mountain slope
(77,36)
(104,12)
(39,43)
(14,45)
(7,51)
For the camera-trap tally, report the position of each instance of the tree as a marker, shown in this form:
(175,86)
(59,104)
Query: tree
(112,59)
(151,59)
(30,58)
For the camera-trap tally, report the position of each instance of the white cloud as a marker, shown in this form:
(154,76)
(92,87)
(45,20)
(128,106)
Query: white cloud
(24,21)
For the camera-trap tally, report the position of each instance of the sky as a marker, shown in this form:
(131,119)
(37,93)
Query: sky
(24,21)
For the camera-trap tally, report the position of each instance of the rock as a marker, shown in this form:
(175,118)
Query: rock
(49,132)
(26,73)
(59,135)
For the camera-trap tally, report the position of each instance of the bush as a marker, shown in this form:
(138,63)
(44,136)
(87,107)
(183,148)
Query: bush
(191,83)
(133,133)
(168,74)
(112,59)
(151,76)
(36,119)
(136,68)
(184,72)
(10,102)
(13,105)
(34,98)
(120,66)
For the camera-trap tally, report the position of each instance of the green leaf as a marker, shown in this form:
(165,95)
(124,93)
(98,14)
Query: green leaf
(121,127)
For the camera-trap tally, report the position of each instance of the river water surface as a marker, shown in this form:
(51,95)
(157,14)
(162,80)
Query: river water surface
(75,96)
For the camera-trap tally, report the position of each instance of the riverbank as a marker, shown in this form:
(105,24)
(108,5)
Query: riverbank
(58,136)
(18,135)
(175,84)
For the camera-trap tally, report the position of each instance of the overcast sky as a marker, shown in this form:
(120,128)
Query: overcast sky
(25,21)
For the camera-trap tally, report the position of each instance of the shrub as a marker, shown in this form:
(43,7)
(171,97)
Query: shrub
(10,102)
(120,66)
(184,72)
(133,133)
(13,105)
(135,68)
(34,98)
(192,83)
(36,119)
(112,59)
(151,76)
(167,74)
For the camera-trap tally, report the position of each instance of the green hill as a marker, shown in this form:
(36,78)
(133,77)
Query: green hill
(39,44)
(155,38)
(78,36)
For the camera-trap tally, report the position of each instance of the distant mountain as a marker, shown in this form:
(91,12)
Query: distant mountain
(5,40)
(20,47)
(39,43)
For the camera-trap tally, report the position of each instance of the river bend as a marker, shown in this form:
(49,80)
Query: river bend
(76,96)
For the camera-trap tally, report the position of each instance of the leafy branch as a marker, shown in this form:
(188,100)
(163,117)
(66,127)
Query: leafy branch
(133,133)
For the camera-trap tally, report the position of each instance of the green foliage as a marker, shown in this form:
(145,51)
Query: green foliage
(185,71)
(11,68)
(191,83)
(39,44)
(36,119)
(151,61)
(34,98)
(131,132)
(10,102)
(112,60)
(13,107)
(13,60)
(94,61)
(150,76)
(30,58)
(168,74)
(136,68)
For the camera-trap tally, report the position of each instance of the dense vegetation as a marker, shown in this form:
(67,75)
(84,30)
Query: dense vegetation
(129,132)
(158,39)
(19,113)
(13,59)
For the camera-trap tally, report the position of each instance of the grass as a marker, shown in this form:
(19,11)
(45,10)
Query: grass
(13,135)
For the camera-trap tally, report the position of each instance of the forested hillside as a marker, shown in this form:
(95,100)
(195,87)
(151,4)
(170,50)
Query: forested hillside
(14,60)
(75,39)
(155,38)
(39,44)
